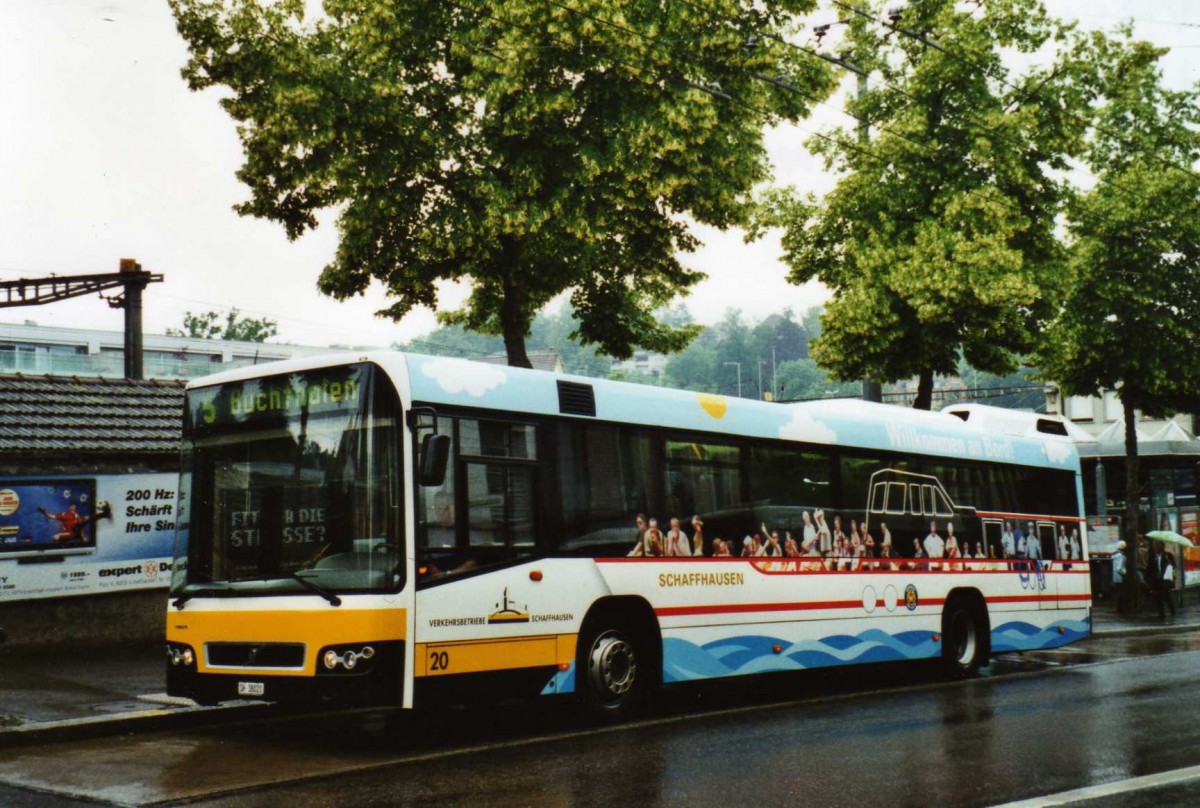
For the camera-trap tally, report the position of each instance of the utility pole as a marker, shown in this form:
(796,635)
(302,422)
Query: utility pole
(760,387)
(131,280)
(738,365)
(774,389)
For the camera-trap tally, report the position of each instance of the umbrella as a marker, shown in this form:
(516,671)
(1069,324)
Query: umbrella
(1169,537)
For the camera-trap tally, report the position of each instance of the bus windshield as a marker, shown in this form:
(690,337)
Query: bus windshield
(291,483)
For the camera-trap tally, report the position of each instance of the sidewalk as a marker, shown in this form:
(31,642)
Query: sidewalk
(63,693)
(66,694)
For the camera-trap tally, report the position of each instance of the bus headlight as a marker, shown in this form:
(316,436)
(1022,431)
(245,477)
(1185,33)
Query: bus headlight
(345,658)
(180,655)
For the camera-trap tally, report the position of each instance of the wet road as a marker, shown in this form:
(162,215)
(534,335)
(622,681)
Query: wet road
(1099,712)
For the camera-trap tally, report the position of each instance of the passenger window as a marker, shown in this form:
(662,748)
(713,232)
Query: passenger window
(927,501)
(895,500)
(499,505)
(914,499)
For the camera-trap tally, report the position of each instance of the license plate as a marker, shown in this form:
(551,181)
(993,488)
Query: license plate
(250,688)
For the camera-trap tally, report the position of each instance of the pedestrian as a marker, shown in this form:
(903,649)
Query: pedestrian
(1155,583)
(1119,566)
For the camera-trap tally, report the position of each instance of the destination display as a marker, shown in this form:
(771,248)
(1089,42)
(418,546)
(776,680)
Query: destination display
(277,399)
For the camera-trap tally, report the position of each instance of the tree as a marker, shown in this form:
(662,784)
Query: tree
(528,147)
(214,325)
(939,239)
(1132,320)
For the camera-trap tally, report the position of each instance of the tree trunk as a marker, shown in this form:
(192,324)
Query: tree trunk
(924,399)
(514,323)
(1132,498)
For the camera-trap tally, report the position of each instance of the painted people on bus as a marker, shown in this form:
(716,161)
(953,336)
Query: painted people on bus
(865,538)
(653,543)
(824,536)
(839,537)
(790,548)
(639,546)
(1064,543)
(1076,545)
(748,550)
(890,563)
(697,535)
(1018,541)
(1033,545)
(951,543)
(1008,542)
(886,540)
(935,546)
(772,548)
(809,537)
(676,543)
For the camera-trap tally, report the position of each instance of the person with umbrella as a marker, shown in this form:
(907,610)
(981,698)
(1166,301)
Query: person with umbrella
(1155,581)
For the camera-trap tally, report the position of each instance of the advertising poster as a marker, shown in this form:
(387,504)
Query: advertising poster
(76,535)
(1189,526)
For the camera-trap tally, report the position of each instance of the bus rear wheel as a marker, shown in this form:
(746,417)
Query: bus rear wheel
(613,680)
(962,640)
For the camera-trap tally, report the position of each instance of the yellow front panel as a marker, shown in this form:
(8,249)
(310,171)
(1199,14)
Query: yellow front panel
(438,659)
(315,628)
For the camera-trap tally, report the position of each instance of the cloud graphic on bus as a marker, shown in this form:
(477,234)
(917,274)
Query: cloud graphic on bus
(459,376)
(1057,452)
(804,427)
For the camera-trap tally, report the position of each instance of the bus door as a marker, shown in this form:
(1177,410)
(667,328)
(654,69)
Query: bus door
(1046,579)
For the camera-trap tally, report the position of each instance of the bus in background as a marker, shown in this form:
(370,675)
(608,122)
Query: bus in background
(395,529)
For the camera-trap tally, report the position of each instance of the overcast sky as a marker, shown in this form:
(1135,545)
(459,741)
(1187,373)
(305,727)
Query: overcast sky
(105,153)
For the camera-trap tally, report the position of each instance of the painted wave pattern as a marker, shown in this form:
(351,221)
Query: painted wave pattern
(734,656)
(685,661)
(1020,636)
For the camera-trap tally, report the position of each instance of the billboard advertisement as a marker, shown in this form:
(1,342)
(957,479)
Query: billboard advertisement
(85,535)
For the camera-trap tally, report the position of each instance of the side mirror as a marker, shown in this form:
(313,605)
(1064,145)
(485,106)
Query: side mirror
(435,453)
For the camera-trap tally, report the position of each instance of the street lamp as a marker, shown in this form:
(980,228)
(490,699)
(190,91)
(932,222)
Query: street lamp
(738,365)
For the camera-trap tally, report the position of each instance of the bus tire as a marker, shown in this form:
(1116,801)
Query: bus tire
(964,638)
(614,668)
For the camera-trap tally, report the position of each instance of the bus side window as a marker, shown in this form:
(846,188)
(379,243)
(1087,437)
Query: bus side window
(993,533)
(878,497)
(943,504)
(1049,539)
(927,500)
(895,500)
(435,509)
(914,499)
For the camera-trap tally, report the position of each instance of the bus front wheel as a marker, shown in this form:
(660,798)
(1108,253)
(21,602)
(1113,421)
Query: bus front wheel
(613,671)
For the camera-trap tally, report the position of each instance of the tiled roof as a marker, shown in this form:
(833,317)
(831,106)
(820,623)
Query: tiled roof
(89,415)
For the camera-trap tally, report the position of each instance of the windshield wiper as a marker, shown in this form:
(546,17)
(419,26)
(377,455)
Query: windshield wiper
(182,599)
(333,599)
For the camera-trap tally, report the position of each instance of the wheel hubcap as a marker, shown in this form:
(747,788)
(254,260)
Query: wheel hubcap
(964,633)
(612,667)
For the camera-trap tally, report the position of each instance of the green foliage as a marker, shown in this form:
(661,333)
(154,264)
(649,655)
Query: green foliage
(1132,321)
(214,325)
(939,239)
(527,147)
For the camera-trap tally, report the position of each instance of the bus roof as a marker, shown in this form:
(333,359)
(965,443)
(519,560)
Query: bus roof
(843,422)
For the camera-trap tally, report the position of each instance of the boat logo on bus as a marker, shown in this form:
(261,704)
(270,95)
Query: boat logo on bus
(910,597)
(505,613)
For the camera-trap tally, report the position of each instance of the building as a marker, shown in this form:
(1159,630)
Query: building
(106,452)
(33,349)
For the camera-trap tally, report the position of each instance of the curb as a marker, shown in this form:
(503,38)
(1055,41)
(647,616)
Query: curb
(74,729)
(1150,630)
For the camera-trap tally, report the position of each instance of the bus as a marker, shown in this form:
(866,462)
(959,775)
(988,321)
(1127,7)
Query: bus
(396,529)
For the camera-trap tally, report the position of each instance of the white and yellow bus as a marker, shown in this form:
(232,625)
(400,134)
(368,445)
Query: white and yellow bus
(397,529)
